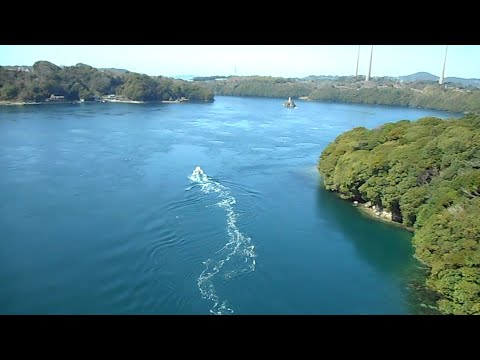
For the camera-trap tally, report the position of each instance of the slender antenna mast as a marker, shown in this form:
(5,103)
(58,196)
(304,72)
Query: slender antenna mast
(358,60)
(370,66)
(443,70)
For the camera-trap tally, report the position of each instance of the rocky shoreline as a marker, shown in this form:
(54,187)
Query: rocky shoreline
(379,214)
(19,103)
(13,103)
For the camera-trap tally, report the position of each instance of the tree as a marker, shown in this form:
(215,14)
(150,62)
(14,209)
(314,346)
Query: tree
(427,174)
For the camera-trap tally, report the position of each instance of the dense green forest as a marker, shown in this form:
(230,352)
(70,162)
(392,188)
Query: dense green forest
(37,83)
(264,86)
(427,174)
(431,97)
(381,91)
(85,82)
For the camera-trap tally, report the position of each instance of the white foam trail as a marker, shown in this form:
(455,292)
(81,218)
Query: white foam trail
(236,257)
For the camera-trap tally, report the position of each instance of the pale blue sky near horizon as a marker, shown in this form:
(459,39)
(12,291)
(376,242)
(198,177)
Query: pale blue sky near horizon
(268,60)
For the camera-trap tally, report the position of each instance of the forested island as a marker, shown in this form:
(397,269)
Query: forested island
(47,82)
(424,175)
(453,97)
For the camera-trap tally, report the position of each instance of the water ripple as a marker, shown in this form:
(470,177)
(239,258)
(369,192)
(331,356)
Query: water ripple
(236,257)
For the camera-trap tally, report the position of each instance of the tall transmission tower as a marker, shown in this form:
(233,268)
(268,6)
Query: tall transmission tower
(370,66)
(442,78)
(358,60)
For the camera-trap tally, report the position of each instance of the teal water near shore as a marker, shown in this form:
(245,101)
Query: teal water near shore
(101,212)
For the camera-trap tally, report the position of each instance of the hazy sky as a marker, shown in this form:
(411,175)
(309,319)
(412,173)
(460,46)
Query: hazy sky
(271,60)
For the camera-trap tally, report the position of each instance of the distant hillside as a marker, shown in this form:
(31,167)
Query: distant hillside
(45,81)
(185,77)
(419,76)
(348,89)
(320,77)
(425,76)
(464,82)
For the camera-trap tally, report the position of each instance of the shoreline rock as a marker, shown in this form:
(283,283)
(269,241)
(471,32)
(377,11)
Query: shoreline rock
(18,103)
(122,101)
(376,213)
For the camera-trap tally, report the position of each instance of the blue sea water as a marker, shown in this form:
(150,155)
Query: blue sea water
(101,212)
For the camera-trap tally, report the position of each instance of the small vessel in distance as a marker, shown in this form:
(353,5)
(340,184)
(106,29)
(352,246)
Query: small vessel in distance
(198,170)
(290,103)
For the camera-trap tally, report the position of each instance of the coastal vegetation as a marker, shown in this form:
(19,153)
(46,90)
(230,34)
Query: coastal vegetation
(263,86)
(381,91)
(83,82)
(39,82)
(426,175)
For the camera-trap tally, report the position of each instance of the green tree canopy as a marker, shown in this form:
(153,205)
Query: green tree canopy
(84,82)
(427,174)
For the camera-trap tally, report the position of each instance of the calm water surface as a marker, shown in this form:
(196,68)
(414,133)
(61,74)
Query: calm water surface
(101,212)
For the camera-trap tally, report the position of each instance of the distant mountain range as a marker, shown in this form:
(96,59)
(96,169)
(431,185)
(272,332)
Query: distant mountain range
(30,68)
(185,77)
(419,76)
(425,76)
(321,77)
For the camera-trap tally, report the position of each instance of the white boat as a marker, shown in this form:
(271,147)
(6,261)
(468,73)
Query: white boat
(290,103)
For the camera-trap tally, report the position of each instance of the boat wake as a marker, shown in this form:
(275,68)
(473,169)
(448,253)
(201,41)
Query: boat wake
(236,257)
